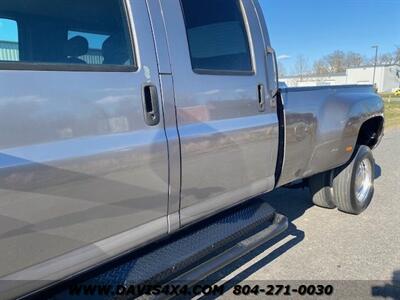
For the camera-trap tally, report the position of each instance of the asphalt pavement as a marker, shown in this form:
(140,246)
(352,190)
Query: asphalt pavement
(360,255)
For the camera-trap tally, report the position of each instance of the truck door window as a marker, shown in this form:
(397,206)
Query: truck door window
(217,36)
(9,46)
(67,34)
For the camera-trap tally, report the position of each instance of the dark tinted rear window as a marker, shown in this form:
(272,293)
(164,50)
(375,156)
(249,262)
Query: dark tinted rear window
(217,35)
(84,32)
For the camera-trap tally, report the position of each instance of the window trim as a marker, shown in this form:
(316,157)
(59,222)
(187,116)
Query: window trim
(225,72)
(32,66)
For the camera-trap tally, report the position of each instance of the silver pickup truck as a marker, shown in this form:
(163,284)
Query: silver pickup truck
(124,122)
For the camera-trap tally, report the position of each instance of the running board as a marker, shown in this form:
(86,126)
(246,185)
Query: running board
(192,254)
(279,224)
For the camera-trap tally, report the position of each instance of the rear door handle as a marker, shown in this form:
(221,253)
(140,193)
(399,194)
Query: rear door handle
(150,105)
(261,98)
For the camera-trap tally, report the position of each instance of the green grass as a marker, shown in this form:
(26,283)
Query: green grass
(392,112)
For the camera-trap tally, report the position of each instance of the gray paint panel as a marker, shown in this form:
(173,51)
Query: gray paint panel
(320,124)
(78,164)
(229,148)
(52,271)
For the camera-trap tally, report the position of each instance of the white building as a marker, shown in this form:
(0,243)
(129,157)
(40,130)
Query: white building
(387,78)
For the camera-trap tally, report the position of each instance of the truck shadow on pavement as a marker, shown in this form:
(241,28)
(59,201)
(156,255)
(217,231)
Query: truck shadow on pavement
(292,203)
(389,290)
(378,171)
(289,202)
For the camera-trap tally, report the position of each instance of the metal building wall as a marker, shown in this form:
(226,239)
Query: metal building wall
(9,52)
(387,78)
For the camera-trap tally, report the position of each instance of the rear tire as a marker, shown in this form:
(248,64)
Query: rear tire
(321,190)
(353,184)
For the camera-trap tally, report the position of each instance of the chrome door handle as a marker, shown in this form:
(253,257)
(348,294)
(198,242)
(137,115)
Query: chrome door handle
(150,105)
(261,98)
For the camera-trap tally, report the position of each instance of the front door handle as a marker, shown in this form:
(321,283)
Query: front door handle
(150,105)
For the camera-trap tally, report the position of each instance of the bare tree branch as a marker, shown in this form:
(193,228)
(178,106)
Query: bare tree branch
(301,66)
(281,69)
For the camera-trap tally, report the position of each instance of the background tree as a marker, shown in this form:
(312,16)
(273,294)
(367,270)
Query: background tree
(320,67)
(336,62)
(397,55)
(354,60)
(281,69)
(301,66)
(386,59)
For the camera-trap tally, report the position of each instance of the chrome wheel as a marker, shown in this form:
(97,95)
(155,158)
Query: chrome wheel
(363,180)
(353,184)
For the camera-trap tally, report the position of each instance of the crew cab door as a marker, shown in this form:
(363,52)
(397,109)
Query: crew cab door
(83,152)
(227,125)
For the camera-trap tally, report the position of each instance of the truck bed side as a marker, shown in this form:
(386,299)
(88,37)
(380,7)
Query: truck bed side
(322,126)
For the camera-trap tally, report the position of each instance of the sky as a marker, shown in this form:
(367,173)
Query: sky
(8,30)
(315,28)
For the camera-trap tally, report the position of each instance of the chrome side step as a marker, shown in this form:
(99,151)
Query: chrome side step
(197,274)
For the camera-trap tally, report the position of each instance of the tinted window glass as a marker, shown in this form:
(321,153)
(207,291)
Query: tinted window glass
(9,50)
(217,35)
(85,32)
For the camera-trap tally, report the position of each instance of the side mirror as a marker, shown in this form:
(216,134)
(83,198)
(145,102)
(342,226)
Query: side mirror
(272,71)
